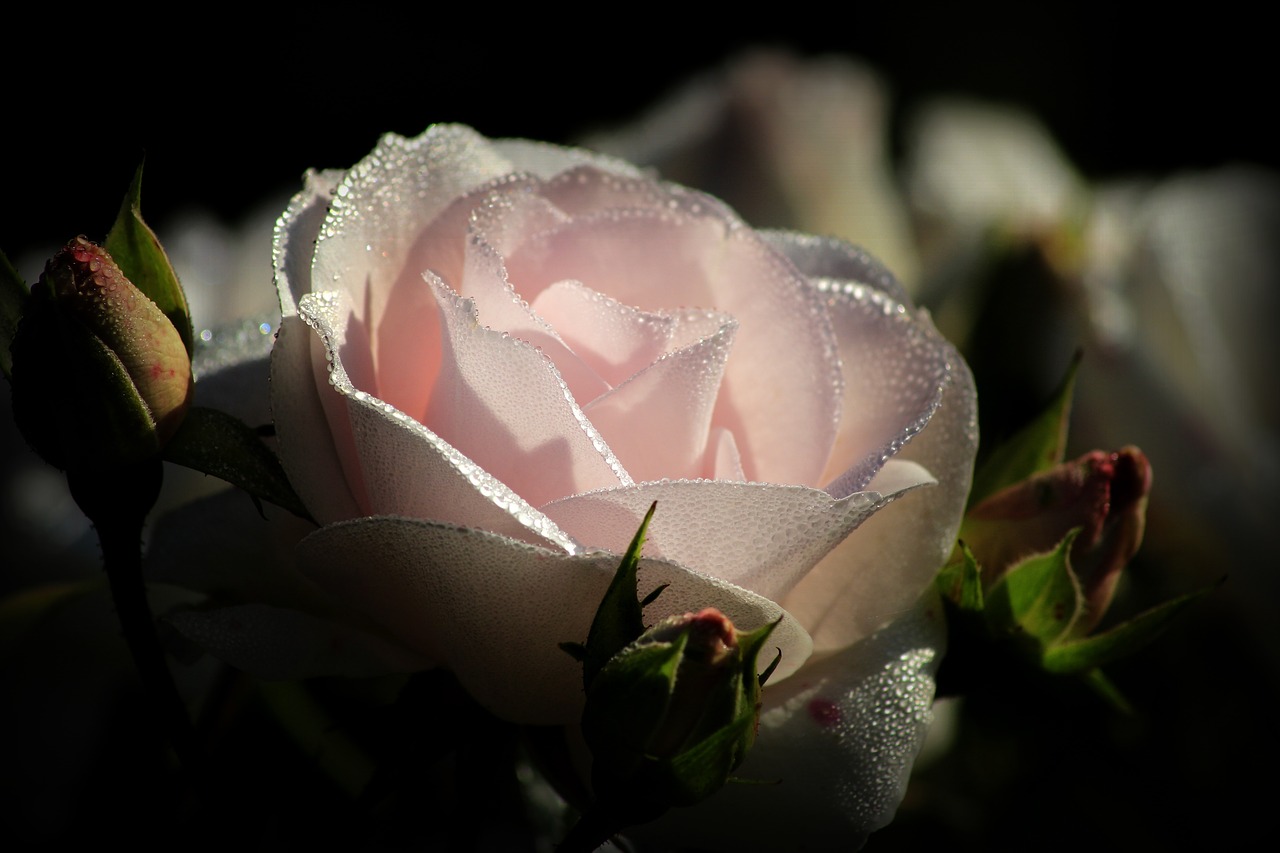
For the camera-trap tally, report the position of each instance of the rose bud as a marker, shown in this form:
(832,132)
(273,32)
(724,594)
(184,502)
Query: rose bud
(1103,494)
(101,377)
(674,713)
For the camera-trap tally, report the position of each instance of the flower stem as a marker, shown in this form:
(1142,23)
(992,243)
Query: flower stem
(117,503)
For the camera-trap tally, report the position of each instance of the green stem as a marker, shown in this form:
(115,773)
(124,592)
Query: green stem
(118,503)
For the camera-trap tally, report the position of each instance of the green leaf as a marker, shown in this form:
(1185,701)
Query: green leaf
(134,247)
(1037,447)
(13,300)
(1040,596)
(961,582)
(215,443)
(1122,640)
(620,618)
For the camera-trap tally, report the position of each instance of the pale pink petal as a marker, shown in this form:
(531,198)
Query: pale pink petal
(546,160)
(401,467)
(827,257)
(895,371)
(837,740)
(657,422)
(784,380)
(759,536)
(617,341)
(585,190)
(880,570)
(496,610)
(308,442)
(366,245)
(725,462)
(497,219)
(503,403)
(278,643)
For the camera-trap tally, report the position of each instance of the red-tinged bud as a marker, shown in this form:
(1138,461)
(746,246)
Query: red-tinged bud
(1102,494)
(101,377)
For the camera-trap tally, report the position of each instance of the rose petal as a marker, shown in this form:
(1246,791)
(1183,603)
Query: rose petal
(402,467)
(895,373)
(657,422)
(727,464)
(366,248)
(503,403)
(308,442)
(785,378)
(496,609)
(878,572)
(838,739)
(759,536)
(828,257)
(616,340)
(546,160)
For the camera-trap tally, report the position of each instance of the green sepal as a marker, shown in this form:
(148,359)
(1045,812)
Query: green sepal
(627,704)
(1081,655)
(1109,693)
(750,644)
(136,250)
(620,618)
(1040,597)
(73,399)
(1036,447)
(706,767)
(960,582)
(13,301)
(218,444)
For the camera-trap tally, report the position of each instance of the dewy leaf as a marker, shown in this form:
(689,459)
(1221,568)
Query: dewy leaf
(136,250)
(620,618)
(13,299)
(1037,447)
(215,443)
(1122,640)
(1040,595)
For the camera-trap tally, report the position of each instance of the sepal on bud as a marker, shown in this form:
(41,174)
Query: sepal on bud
(673,714)
(671,710)
(101,378)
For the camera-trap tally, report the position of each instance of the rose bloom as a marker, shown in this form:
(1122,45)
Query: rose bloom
(495,355)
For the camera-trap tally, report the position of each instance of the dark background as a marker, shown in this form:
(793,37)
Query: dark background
(230,109)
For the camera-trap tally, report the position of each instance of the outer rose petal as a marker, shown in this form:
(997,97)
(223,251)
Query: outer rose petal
(760,536)
(876,574)
(496,609)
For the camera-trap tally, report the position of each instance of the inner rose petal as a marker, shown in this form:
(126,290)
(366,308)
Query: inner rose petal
(658,420)
(504,405)
(784,380)
(392,463)
(617,341)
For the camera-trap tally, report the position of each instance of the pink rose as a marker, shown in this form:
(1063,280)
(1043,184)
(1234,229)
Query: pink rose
(495,355)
